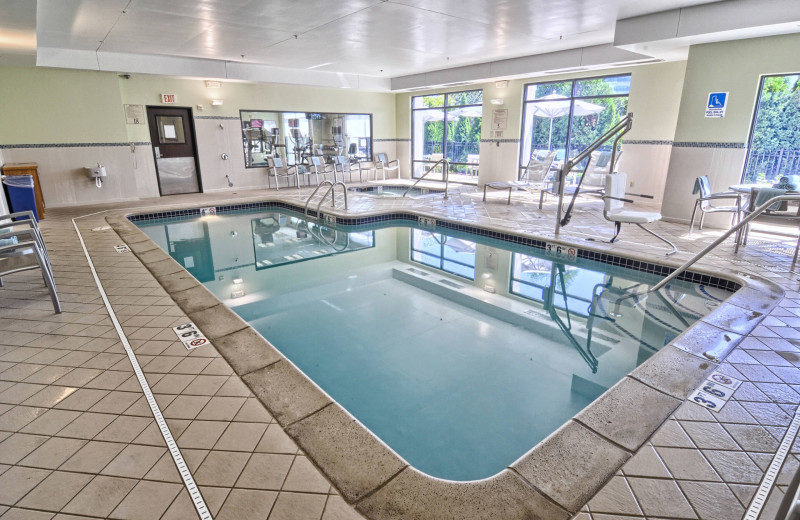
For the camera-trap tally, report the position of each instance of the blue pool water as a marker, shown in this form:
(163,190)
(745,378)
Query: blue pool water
(460,352)
(387,191)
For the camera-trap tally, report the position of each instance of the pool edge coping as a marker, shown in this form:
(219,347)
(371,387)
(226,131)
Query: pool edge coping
(537,481)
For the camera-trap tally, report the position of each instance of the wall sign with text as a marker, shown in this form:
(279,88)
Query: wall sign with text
(717,103)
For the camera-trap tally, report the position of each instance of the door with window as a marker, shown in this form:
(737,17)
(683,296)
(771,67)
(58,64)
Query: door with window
(175,150)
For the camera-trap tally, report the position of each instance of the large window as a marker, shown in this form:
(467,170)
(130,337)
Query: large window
(774,147)
(568,116)
(447,126)
(443,252)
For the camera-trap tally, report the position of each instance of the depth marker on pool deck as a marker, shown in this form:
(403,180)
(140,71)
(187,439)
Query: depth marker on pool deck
(183,469)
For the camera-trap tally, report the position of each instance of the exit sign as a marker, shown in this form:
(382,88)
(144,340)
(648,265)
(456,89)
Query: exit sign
(168,98)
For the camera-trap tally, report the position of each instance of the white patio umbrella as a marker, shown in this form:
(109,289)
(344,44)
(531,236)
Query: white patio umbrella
(431,115)
(558,105)
(466,112)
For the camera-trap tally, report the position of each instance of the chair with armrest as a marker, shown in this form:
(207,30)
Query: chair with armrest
(342,164)
(277,170)
(319,168)
(21,249)
(614,209)
(531,178)
(385,165)
(704,202)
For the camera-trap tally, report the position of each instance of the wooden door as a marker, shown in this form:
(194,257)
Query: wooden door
(175,150)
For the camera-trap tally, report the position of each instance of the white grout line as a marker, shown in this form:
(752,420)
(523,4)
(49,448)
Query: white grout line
(772,472)
(183,469)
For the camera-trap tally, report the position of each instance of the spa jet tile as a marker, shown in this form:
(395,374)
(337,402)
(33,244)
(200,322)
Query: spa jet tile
(179,281)
(413,495)
(707,341)
(356,461)
(734,318)
(246,351)
(195,299)
(609,414)
(286,393)
(217,321)
(571,465)
(674,372)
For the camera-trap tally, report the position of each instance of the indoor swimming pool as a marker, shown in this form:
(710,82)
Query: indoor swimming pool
(460,351)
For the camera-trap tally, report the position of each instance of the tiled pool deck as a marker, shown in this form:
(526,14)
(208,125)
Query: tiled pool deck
(78,439)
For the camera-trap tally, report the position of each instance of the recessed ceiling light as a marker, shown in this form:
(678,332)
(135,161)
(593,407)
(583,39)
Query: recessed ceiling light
(320,65)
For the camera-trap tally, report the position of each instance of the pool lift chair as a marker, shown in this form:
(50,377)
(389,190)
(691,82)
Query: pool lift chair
(614,209)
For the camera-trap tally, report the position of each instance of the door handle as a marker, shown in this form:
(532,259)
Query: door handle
(157,151)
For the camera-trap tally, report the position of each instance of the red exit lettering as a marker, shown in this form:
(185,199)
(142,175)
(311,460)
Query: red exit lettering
(167,98)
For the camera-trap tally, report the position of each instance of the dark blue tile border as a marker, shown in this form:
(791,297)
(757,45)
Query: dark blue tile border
(410,218)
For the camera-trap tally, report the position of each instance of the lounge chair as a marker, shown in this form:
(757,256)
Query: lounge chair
(532,177)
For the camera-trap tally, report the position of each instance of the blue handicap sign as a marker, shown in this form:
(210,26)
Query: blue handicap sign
(717,99)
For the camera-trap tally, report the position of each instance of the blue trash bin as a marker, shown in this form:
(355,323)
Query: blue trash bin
(21,196)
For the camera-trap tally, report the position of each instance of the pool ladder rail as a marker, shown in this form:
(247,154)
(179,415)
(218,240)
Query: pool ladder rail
(735,229)
(332,190)
(446,172)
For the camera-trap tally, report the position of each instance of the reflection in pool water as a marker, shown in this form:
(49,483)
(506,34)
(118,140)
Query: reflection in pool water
(460,352)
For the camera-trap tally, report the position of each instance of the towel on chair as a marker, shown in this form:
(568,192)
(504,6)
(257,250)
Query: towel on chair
(764,194)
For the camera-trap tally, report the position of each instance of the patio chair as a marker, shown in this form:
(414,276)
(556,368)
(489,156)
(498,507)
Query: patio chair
(532,177)
(385,165)
(702,186)
(342,164)
(277,170)
(22,250)
(614,209)
(319,168)
(593,182)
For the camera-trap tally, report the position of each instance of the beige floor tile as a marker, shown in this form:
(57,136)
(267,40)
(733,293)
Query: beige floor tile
(18,481)
(115,402)
(221,468)
(52,453)
(181,508)
(50,422)
(100,496)
(265,471)
(54,492)
(253,411)
(661,497)
(294,506)
(185,406)
(18,417)
(19,445)
(87,425)
(93,457)
(148,500)
(221,408)
(337,509)
(50,396)
(134,461)
(82,399)
(26,514)
(202,434)
(247,503)
(304,477)
(123,429)
(206,385)
(687,464)
(241,437)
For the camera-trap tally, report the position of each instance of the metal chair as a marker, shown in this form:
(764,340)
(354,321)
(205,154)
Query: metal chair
(22,249)
(702,186)
(531,178)
(342,163)
(276,165)
(385,165)
(614,209)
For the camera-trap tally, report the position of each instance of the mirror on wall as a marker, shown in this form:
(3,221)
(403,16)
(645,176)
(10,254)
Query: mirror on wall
(298,136)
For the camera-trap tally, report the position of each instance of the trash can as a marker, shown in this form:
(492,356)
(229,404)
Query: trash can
(21,196)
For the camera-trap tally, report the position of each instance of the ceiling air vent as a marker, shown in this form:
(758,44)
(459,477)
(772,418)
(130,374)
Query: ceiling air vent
(564,71)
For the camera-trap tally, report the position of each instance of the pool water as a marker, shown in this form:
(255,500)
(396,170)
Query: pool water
(459,351)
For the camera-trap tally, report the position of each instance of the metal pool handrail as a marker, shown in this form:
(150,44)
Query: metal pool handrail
(756,212)
(445,168)
(624,125)
(331,190)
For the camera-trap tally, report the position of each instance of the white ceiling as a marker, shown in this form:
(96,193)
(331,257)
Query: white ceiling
(368,39)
